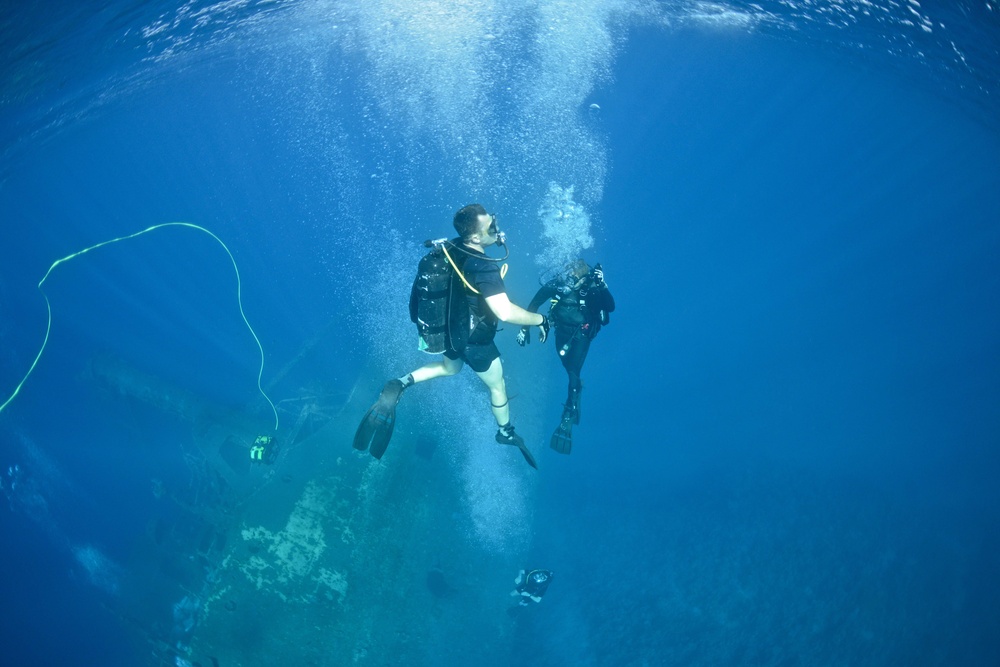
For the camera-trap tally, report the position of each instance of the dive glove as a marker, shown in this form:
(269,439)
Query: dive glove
(543,333)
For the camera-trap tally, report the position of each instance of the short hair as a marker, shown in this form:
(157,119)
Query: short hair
(467,220)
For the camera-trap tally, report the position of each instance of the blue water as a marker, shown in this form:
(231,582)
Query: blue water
(789,446)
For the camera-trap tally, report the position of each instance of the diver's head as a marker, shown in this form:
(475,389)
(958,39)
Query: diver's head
(539,577)
(467,220)
(577,269)
(477,227)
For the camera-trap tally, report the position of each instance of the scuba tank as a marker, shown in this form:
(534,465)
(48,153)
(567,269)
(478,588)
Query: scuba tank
(429,301)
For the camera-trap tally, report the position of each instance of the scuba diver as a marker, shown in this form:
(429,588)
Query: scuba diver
(579,305)
(264,449)
(530,586)
(456,302)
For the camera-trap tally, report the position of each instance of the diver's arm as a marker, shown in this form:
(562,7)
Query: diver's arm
(511,313)
(609,301)
(544,293)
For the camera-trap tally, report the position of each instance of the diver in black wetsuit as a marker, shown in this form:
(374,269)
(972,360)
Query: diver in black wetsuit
(579,305)
(530,586)
(485,296)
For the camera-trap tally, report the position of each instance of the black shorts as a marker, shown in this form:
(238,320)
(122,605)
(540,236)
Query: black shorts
(479,357)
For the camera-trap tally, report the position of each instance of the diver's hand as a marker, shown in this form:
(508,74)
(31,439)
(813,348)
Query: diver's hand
(543,330)
(522,337)
(599,276)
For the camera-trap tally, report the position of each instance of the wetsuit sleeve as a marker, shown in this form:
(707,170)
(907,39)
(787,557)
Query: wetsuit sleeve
(545,292)
(609,301)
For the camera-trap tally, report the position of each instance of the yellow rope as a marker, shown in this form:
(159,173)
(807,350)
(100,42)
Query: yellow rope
(239,299)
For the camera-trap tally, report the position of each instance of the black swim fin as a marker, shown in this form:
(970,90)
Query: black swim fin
(507,436)
(526,453)
(375,429)
(562,438)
